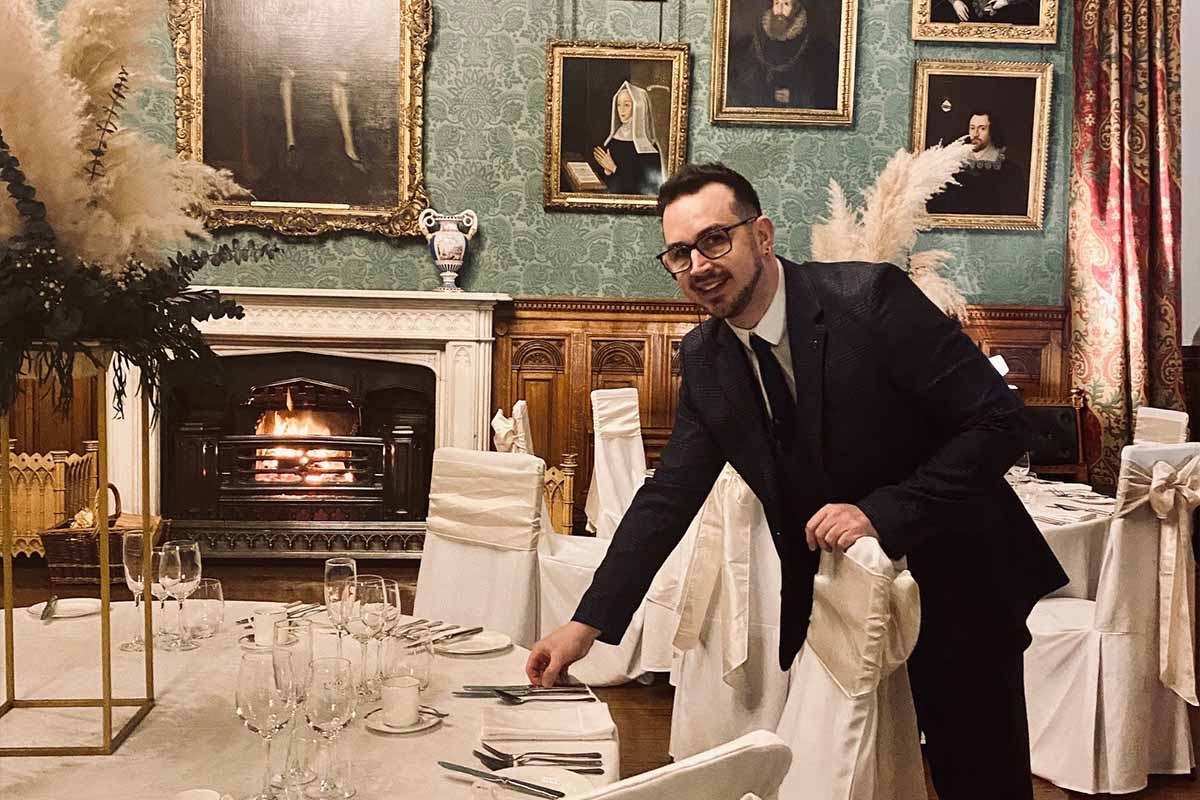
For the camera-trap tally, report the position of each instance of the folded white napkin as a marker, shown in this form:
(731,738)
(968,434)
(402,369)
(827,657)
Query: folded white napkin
(1059,517)
(565,722)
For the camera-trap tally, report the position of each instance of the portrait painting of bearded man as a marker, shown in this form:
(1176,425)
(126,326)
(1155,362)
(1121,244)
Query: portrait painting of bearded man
(1002,109)
(784,61)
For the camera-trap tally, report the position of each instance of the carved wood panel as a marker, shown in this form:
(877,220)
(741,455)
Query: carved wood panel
(553,351)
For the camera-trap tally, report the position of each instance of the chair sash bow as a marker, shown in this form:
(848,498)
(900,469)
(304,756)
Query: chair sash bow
(1172,493)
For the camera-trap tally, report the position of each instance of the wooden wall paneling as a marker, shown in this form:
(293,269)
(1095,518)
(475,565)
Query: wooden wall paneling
(38,429)
(1031,340)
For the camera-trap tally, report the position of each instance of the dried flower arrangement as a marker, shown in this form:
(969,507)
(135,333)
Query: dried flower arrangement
(886,230)
(96,209)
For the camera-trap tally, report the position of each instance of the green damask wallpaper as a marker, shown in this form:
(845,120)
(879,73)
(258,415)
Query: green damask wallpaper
(485,87)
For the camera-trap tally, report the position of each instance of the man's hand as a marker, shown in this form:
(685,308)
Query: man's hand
(552,655)
(960,8)
(837,526)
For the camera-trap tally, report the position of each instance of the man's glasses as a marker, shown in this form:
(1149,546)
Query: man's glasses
(712,244)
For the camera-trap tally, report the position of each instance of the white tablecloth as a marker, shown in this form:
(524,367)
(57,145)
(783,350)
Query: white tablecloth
(192,738)
(1078,539)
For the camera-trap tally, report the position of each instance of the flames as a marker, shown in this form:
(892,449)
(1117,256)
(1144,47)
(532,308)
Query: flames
(312,466)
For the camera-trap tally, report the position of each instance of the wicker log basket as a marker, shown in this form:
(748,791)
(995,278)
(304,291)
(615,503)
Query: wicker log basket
(73,547)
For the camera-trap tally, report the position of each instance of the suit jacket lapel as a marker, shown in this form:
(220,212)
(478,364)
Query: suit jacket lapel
(806,337)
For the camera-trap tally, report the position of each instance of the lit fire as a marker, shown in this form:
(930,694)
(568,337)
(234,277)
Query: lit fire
(313,466)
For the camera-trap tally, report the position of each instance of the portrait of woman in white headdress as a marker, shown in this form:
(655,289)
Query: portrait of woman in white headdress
(630,158)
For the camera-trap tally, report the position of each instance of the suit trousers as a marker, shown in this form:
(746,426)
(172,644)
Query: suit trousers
(971,709)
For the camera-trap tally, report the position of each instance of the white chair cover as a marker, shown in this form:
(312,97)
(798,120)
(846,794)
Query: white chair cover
(849,717)
(754,764)
(523,442)
(728,680)
(1159,425)
(565,568)
(1107,679)
(504,432)
(618,458)
(479,566)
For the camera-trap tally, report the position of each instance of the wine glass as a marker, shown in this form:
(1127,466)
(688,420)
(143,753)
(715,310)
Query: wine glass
(392,613)
(264,704)
(131,559)
(328,708)
(340,574)
(179,577)
(1019,471)
(410,658)
(292,652)
(162,637)
(365,625)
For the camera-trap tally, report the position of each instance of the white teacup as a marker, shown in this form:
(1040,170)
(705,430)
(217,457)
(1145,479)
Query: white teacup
(264,624)
(400,701)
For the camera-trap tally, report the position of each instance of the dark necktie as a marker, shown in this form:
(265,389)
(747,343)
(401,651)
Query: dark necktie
(783,407)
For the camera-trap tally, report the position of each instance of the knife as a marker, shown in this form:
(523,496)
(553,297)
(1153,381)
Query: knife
(48,611)
(521,687)
(455,635)
(525,692)
(512,783)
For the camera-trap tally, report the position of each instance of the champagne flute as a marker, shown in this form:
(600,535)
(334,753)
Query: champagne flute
(131,559)
(264,704)
(180,577)
(340,574)
(365,625)
(328,708)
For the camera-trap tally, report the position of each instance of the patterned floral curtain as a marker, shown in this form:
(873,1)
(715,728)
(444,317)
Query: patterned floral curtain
(1124,251)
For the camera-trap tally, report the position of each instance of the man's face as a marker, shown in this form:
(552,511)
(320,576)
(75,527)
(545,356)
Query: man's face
(980,132)
(782,8)
(624,106)
(722,286)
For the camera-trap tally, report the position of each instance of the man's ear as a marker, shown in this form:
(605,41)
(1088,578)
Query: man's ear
(764,231)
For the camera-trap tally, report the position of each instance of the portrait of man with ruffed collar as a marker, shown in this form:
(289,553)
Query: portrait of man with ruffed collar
(786,57)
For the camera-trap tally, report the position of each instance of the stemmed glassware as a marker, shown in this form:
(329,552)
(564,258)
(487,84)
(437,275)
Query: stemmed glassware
(292,654)
(131,558)
(180,575)
(329,706)
(340,574)
(392,613)
(162,637)
(365,624)
(207,609)
(264,704)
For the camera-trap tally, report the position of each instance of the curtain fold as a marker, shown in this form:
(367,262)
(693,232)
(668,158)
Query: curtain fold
(1124,250)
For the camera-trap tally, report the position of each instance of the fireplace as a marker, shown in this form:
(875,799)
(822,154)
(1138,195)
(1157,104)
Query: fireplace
(413,367)
(263,441)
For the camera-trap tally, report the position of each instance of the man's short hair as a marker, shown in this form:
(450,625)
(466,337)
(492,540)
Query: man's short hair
(694,177)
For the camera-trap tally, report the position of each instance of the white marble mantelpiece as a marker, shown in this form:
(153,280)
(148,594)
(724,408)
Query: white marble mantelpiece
(448,332)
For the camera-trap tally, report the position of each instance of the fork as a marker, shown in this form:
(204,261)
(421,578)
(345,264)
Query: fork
(581,767)
(507,756)
(516,700)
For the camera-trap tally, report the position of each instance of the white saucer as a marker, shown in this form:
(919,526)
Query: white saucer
(570,783)
(483,642)
(374,721)
(69,607)
(246,642)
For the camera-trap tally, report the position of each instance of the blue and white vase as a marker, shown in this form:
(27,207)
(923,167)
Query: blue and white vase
(448,235)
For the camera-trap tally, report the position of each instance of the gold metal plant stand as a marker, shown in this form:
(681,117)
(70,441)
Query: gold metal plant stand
(85,366)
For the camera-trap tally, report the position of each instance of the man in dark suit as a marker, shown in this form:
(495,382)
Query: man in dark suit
(852,407)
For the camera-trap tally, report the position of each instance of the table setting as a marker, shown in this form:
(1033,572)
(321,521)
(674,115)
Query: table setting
(440,709)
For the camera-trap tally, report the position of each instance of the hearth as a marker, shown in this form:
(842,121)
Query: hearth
(265,457)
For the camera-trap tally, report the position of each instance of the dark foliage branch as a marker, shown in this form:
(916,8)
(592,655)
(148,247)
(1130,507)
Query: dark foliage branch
(108,125)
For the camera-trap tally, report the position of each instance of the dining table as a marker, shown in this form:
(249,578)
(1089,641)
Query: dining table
(192,738)
(1075,522)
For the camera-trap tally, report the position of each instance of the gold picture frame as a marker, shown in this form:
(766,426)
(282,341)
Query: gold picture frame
(1004,187)
(326,135)
(598,159)
(937,21)
(767,79)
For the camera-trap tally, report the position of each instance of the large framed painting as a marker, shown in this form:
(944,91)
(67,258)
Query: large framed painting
(784,61)
(1003,109)
(315,107)
(1001,21)
(616,123)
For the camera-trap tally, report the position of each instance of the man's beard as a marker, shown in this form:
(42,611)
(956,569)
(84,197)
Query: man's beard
(742,298)
(977,145)
(781,28)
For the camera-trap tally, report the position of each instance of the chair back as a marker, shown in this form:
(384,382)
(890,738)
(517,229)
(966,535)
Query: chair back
(1056,446)
(1159,425)
(752,764)
(619,458)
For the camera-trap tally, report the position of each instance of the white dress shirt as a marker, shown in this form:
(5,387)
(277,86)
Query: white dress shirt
(773,329)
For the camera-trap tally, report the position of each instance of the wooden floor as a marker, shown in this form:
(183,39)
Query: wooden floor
(642,713)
